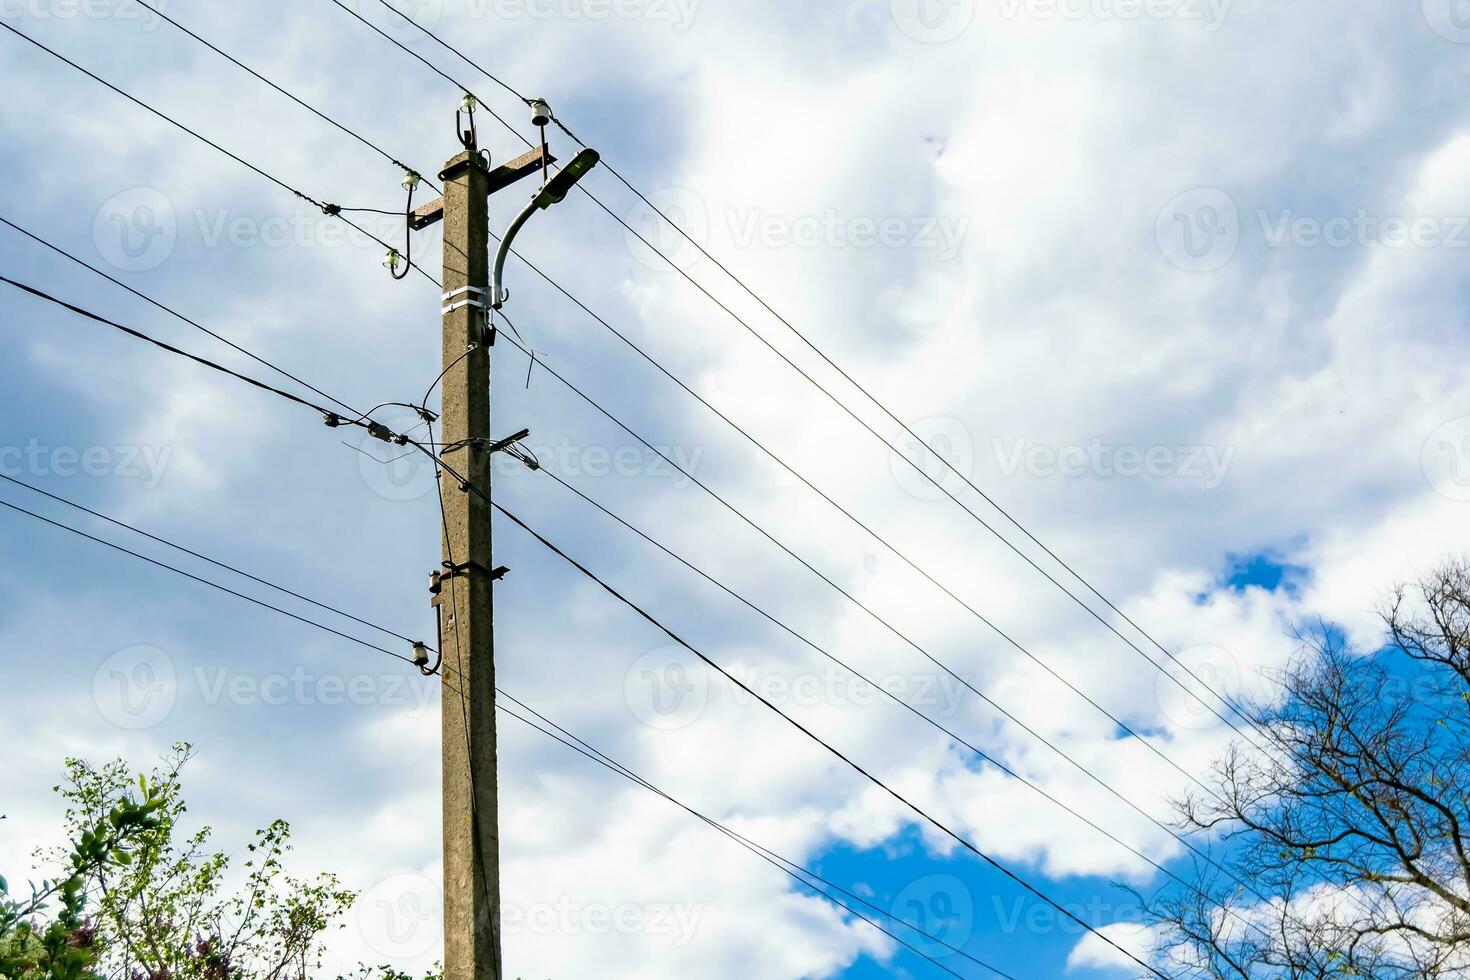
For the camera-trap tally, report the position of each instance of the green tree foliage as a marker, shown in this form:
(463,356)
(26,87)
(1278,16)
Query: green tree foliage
(144,900)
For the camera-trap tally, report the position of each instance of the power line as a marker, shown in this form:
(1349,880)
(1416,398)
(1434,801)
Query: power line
(194,554)
(868,529)
(644,614)
(170,348)
(590,752)
(174,313)
(454,597)
(979,753)
(431,66)
(443,44)
(325,207)
(792,869)
(304,402)
(854,599)
(1174,680)
(837,753)
(314,111)
(296,399)
(835,400)
(685,387)
(203,581)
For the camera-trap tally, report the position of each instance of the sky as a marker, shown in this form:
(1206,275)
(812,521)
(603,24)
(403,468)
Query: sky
(1179,284)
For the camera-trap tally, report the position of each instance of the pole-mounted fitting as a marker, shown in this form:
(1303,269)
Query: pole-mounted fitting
(467,137)
(552,192)
(448,571)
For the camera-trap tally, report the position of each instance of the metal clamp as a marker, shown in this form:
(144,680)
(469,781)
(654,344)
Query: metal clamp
(476,298)
(437,577)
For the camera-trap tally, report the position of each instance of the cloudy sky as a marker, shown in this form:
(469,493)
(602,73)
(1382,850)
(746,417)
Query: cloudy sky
(1179,284)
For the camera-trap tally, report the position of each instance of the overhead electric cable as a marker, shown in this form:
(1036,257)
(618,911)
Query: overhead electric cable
(843,591)
(203,581)
(589,750)
(945,730)
(309,108)
(831,749)
(174,313)
(325,207)
(1249,718)
(793,870)
(140,335)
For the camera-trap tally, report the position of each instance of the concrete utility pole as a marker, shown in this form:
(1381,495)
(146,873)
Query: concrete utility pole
(464,585)
(471,828)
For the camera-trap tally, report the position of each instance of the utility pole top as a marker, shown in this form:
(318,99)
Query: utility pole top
(498,179)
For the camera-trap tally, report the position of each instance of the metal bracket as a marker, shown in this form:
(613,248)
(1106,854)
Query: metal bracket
(437,578)
(476,298)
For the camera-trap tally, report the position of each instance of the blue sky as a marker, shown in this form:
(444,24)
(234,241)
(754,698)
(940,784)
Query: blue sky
(1182,289)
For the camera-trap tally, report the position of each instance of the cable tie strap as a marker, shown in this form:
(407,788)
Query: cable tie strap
(475,296)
